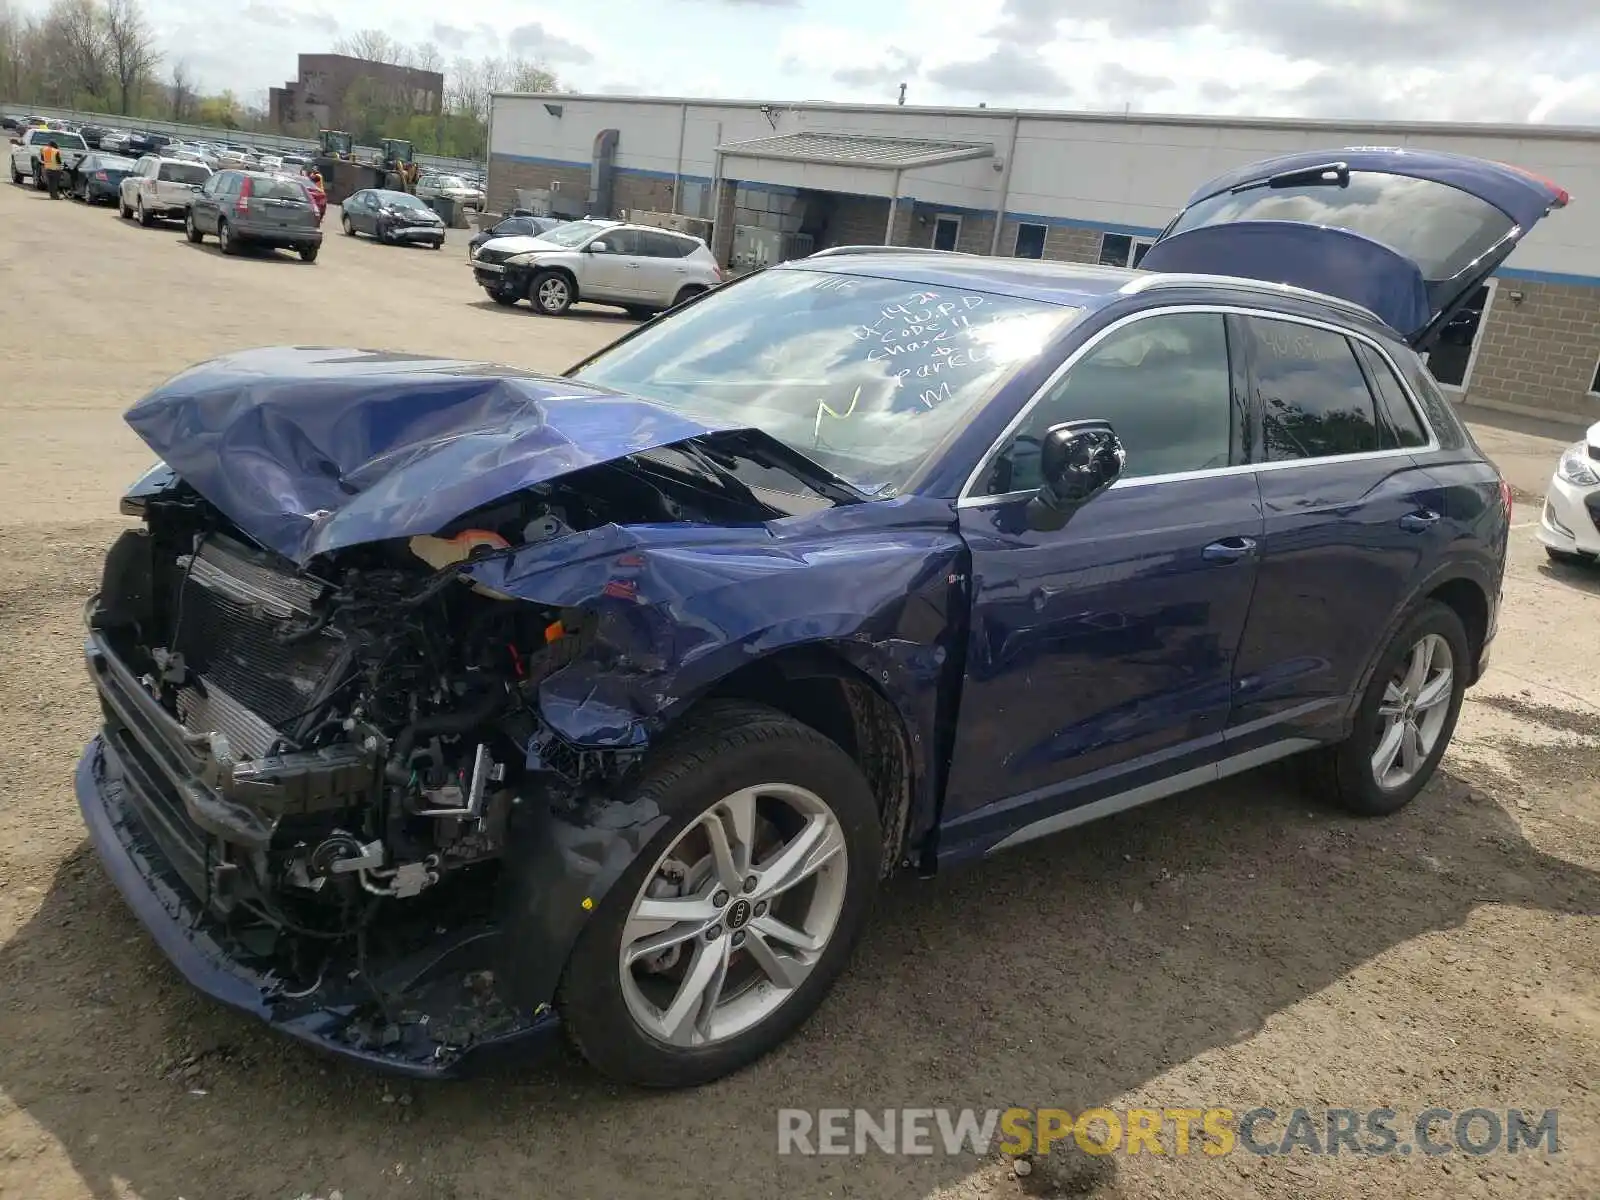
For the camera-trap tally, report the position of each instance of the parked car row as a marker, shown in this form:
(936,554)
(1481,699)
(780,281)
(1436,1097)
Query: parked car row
(265,208)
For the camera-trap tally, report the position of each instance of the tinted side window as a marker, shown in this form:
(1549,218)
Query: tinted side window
(656,245)
(1165,386)
(1314,398)
(1402,428)
(621,241)
(516,225)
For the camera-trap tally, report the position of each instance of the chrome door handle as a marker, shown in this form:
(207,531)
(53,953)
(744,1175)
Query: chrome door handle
(1229,550)
(1419,521)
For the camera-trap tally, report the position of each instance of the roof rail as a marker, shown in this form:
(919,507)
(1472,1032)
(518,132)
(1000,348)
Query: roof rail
(837,251)
(1158,279)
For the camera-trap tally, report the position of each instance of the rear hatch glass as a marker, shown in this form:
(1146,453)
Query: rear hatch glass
(191,173)
(1457,229)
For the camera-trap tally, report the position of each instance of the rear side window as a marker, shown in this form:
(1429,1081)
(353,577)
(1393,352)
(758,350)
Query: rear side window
(177,172)
(1165,386)
(1314,398)
(621,241)
(1400,427)
(664,245)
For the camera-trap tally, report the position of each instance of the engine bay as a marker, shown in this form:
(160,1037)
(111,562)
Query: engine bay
(370,716)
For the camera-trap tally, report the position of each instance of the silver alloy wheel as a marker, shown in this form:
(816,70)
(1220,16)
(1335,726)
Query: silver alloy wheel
(553,294)
(1415,705)
(224,238)
(734,916)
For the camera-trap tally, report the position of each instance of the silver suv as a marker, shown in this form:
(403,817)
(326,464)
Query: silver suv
(159,187)
(638,267)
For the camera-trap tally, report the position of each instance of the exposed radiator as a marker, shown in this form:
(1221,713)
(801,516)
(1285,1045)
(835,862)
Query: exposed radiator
(234,608)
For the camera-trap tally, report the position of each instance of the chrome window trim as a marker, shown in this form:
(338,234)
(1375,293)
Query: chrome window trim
(1156,280)
(968,499)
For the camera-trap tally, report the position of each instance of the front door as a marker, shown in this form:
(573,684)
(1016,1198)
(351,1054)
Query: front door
(1101,655)
(1350,520)
(613,273)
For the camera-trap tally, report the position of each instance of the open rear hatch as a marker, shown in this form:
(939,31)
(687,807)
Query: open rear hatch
(1409,234)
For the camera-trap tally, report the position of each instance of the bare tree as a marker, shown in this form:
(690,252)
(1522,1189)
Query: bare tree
(374,45)
(131,49)
(183,93)
(77,48)
(523,75)
(466,91)
(427,57)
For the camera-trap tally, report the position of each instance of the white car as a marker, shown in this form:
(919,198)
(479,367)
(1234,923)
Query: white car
(160,188)
(637,267)
(29,149)
(1567,527)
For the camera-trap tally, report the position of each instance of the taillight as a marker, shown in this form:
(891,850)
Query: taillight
(101,176)
(246,188)
(1505,497)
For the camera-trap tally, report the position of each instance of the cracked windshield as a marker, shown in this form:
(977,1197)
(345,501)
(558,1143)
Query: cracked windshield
(864,375)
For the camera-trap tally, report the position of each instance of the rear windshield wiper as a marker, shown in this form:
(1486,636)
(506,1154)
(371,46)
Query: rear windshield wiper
(1328,175)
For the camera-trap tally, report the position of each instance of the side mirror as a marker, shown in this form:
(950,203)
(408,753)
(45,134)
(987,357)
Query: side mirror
(1077,461)
(598,248)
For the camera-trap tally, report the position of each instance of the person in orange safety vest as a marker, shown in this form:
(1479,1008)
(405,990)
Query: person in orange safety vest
(50,160)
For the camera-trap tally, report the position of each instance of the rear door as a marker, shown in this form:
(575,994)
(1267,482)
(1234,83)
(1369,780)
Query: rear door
(662,264)
(1409,234)
(1350,519)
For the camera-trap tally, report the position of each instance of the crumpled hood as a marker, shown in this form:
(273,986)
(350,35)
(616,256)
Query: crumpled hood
(524,243)
(311,450)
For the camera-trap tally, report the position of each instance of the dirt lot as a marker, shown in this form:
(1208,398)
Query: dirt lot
(1238,947)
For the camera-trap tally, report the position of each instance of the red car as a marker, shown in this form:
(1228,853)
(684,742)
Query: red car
(319,197)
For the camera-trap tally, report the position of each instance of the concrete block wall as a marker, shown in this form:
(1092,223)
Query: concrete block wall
(1538,356)
(506,176)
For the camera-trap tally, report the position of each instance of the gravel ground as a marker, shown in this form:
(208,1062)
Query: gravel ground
(1235,947)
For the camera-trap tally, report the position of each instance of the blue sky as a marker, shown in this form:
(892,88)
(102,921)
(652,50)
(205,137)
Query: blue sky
(1403,59)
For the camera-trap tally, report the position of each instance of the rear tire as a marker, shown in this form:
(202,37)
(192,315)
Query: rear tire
(639,313)
(686,294)
(728,752)
(225,240)
(1346,774)
(142,213)
(309,253)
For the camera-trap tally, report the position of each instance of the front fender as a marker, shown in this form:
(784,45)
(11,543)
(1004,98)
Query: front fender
(674,611)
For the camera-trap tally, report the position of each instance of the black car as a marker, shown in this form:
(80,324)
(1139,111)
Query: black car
(391,217)
(144,142)
(10,123)
(516,225)
(100,178)
(91,135)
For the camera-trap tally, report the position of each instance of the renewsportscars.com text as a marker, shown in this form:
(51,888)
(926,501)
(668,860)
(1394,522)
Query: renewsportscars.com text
(1177,1132)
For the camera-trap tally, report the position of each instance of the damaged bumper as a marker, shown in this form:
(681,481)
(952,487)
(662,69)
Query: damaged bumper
(420,1002)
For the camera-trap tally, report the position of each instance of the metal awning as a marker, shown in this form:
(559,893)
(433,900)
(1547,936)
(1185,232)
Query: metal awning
(858,150)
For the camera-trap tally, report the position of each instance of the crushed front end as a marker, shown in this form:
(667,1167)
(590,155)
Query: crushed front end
(305,777)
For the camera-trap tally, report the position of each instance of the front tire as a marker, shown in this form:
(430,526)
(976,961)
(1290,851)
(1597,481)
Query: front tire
(501,296)
(123,210)
(191,230)
(345,224)
(1406,718)
(16,175)
(730,927)
(551,293)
